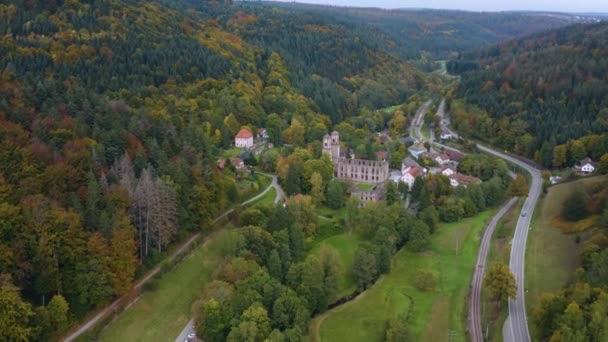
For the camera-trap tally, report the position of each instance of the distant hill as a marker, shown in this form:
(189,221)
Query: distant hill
(440,32)
(553,85)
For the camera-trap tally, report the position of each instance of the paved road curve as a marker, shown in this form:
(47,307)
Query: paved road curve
(477,284)
(516,325)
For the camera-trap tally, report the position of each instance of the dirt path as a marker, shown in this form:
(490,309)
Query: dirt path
(134,292)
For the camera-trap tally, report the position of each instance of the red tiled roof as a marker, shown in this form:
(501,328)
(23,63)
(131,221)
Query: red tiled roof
(454,155)
(244,133)
(236,162)
(381,155)
(415,171)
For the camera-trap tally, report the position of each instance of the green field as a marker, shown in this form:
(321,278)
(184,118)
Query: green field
(232,152)
(162,314)
(551,256)
(345,245)
(432,314)
(334,214)
(266,200)
(365,186)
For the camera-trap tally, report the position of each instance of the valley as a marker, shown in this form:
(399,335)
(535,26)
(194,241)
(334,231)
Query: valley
(276,171)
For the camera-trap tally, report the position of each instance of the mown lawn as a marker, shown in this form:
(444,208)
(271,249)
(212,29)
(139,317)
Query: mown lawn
(334,214)
(266,200)
(552,256)
(345,245)
(162,314)
(432,314)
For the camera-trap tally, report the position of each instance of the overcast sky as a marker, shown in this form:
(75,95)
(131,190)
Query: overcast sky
(477,5)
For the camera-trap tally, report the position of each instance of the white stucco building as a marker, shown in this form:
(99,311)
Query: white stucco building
(244,138)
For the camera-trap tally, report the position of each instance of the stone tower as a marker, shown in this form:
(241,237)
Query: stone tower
(331,145)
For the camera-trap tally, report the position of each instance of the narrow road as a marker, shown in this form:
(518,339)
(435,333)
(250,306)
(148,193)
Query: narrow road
(516,325)
(134,292)
(418,121)
(189,328)
(477,283)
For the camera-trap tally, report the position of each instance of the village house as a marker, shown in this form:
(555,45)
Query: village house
(410,174)
(381,155)
(454,155)
(458,179)
(238,163)
(417,150)
(221,164)
(407,140)
(262,134)
(585,166)
(409,162)
(448,170)
(244,138)
(445,134)
(442,159)
(365,196)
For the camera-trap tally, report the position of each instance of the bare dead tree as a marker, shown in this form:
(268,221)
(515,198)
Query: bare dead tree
(124,172)
(165,217)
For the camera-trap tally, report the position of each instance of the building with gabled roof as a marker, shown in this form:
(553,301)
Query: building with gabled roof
(244,138)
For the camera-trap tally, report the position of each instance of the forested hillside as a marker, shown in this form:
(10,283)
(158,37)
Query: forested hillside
(112,116)
(545,96)
(441,33)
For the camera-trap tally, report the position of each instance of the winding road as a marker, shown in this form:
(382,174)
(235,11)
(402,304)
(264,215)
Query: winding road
(189,328)
(516,324)
(133,293)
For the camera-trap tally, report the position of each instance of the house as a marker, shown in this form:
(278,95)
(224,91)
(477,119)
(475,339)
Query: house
(221,163)
(586,166)
(445,134)
(448,170)
(410,175)
(381,155)
(441,159)
(244,138)
(373,195)
(395,176)
(417,150)
(238,163)
(408,162)
(407,140)
(555,179)
(454,155)
(262,134)
(458,179)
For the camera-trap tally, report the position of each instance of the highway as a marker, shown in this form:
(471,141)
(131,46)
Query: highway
(516,324)
(477,284)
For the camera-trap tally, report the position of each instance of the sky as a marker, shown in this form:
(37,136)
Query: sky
(477,5)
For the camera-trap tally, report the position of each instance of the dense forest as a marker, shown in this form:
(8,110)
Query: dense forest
(112,116)
(441,33)
(544,96)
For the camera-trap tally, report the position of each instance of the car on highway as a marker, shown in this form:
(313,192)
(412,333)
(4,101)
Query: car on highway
(523,214)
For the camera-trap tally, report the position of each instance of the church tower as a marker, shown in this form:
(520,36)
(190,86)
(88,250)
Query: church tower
(331,145)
